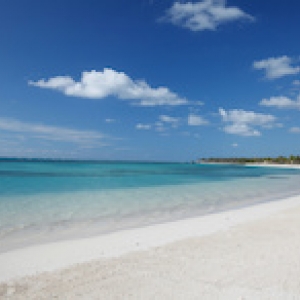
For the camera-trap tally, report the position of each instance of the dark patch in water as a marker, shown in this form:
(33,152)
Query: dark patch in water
(277,177)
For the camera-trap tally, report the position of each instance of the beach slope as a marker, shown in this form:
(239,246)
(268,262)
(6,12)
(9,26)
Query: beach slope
(251,253)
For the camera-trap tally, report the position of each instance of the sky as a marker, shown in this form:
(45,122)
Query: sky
(156,80)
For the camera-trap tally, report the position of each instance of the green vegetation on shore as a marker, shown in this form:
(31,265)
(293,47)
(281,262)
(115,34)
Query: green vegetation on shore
(292,159)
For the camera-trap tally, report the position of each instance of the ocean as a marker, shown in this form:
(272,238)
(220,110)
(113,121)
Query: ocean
(46,201)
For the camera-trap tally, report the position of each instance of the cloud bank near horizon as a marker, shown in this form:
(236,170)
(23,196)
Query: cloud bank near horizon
(52,133)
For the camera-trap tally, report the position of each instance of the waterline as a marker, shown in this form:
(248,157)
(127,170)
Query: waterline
(42,216)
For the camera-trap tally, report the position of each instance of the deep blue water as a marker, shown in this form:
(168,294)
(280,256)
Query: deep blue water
(25,178)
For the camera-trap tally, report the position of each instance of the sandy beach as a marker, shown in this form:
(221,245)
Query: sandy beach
(249,253)
(273,165)
(149,150)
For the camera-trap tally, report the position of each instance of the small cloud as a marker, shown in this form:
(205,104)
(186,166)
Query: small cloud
(235,145)
(168,119)
(165,122)
(295,130)
(244,123)
(296,82)
(160,129)
(195,120)
(173,121)
(197,103)
(110,120)
(204,15)
(99,85)
(281,102)
(276,67)
(241,129)
(143,126)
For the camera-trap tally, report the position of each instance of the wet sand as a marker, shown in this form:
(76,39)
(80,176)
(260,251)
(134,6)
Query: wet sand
(249,253)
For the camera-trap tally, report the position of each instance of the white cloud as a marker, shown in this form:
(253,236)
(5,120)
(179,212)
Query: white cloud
(143,126)
(159,127)
(195,120)
(246,117)
(198,103)
(281,102)
(203,15)
(296,82)
(168,119)
(51,133)
(241,129)
(244,123)
(295,130)
(99,85)
(110,120)
(166,122)
(235,145)
(276,67)
(173,121)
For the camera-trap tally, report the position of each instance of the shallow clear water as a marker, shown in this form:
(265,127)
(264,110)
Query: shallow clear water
(46,201)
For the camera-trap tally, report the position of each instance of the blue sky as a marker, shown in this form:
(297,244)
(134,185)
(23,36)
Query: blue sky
(149,79)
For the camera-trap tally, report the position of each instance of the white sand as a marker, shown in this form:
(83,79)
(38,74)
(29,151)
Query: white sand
(250,253)
(272,165)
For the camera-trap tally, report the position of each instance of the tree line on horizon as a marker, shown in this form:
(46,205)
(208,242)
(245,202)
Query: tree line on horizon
(292,159)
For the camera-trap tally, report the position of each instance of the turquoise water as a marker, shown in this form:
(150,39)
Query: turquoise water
(42,201)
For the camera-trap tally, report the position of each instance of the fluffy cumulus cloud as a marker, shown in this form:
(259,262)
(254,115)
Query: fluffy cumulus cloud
(196,120)
(245,123)
(99,85)
(281,102)
(276,67)
(51,133)
(204,15)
